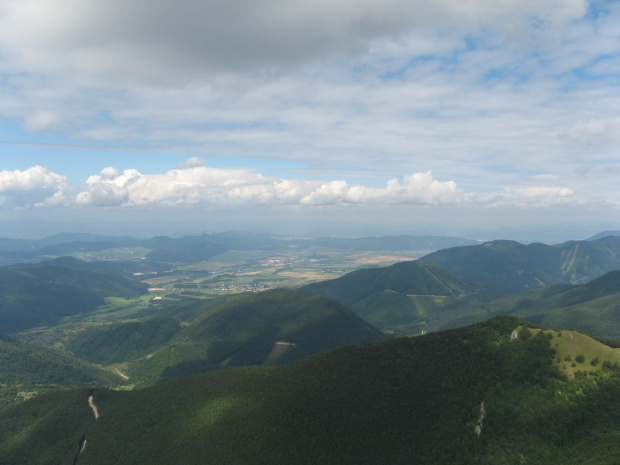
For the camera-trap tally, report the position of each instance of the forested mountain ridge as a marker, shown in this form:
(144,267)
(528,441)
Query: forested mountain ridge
(592,308)
(398,297)
(514,267)
(26,371)
(475,395)
(40,294)
(267,328)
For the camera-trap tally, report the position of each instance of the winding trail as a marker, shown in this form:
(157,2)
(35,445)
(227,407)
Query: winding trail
(93,406)
(82,445)
(125,377)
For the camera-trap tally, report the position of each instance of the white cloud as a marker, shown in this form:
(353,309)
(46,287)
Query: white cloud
(212,186)
(476,91)
(418,188)
(109,173)
(34,187)
(201,186)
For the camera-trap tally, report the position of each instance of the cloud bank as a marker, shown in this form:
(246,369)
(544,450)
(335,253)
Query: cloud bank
(157,40)
(202,186)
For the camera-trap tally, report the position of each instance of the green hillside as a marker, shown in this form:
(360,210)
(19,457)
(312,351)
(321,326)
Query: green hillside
(471,395)
(403,297)
(576,352)
(122,342)
(37,295)
(515,267)
(269,328)
(592,308)
(26,371)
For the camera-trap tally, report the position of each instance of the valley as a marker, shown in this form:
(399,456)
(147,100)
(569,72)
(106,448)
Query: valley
(278,336)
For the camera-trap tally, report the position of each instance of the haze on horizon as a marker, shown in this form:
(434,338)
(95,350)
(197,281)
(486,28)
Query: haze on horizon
(471,117)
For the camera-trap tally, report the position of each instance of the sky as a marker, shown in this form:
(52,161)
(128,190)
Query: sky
(478,118)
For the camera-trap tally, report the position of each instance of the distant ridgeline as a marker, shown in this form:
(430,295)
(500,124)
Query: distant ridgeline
(514,267)
(401,297)
(40,294)
(493,393)
(191,249)
(462,285)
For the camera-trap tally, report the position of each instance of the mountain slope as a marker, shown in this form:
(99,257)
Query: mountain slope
(121,342)
(26,370)
(593,307)
(471,395)
(268,328)
(36,295)
(398,297)
(515,267)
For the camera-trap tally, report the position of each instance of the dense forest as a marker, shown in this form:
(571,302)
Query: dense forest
(305,376)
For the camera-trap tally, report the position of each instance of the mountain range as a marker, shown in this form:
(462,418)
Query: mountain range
(513,267)
(190,249)
(317,375)
(411,297)
(492,393)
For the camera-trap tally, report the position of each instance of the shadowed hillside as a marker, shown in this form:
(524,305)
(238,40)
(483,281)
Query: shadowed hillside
(400,297)
(269,328)
(26,371)
(593,307)
(36,295)
(474,395)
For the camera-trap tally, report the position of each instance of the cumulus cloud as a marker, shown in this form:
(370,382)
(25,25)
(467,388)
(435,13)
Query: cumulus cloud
(34,187)
(189,186)
(418,188)
(200,185)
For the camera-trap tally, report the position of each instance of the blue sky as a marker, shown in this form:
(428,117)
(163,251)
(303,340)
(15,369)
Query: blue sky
(449,117)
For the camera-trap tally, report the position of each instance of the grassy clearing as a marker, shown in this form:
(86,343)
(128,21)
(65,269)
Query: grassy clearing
(575,351)
(578,352)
